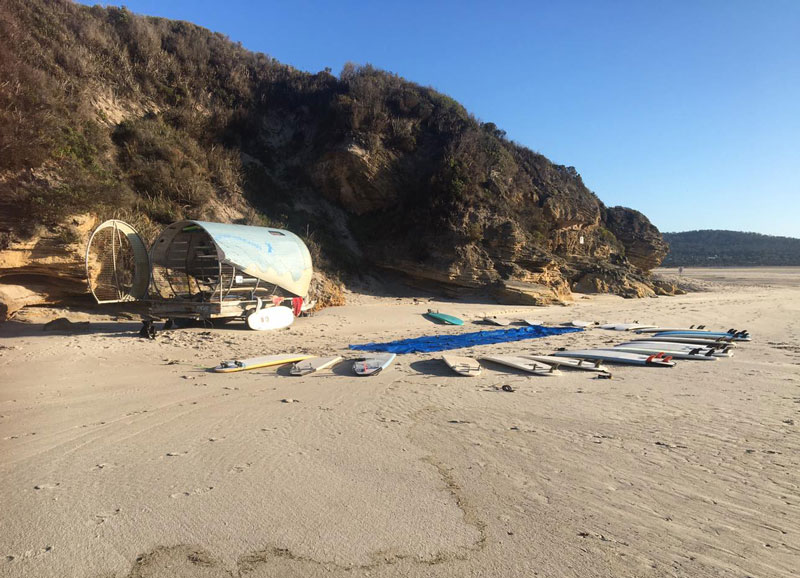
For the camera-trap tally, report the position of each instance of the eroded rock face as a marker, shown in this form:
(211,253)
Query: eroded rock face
(644,246)
(356,179)
(608,282)
(520,293)
(48,267)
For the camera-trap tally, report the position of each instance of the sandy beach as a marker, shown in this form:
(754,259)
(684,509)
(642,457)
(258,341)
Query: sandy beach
(123,456)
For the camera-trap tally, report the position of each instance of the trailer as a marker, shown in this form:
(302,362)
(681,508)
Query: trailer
(198,270)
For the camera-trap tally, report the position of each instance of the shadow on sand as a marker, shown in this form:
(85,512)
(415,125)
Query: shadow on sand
(435,367)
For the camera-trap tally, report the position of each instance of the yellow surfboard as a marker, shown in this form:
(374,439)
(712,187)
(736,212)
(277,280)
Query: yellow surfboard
(256,362)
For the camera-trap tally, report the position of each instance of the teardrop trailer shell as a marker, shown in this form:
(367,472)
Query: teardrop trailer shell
(198,269)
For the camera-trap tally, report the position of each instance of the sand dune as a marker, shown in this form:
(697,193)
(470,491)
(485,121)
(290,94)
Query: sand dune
(125,457)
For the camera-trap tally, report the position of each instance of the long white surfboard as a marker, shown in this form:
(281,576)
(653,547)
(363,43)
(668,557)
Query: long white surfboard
(314,364)
(625,326)
(529,365)
(584,364)
(463,365)
(617,356)
(738,336)
(669,346)
(373,364)
(656,329)
(702,341)
(673,354)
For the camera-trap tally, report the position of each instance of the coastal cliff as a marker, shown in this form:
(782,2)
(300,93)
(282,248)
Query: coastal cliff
(106,114)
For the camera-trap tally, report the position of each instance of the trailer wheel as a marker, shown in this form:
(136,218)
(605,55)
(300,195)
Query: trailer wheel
(148,330)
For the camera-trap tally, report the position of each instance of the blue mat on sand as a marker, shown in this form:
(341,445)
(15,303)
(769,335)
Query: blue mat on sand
(428,343)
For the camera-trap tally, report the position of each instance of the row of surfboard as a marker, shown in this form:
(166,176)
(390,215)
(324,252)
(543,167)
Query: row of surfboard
(305,364)
(659,349)
(635,327)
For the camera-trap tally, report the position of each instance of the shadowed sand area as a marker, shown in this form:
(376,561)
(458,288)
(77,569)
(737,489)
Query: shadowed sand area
(125,457)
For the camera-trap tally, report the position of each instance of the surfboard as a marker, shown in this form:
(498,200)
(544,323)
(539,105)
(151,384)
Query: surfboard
(740,336)
(699,330)
(667,346)
(697,354)
(625,326)
(256,362)
(268,318)
(584,364)
(462,365)
(373,364)
(529,365)
(444,318)
(532,322)
(580,323)
(502,321)
(716,342)
(617,356)
(657,329)
(313,364)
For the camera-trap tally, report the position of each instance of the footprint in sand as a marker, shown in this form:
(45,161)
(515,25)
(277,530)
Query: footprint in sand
(17,436)
(195,492)
(174,454)
(30,554)
(47,486)
(239,468)
(99,519)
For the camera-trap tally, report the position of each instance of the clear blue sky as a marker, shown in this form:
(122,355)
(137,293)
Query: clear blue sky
(687,110)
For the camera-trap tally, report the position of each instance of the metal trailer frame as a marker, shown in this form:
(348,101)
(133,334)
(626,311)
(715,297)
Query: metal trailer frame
(198,270)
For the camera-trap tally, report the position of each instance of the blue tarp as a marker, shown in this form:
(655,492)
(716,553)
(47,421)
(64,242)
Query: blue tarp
(428,343)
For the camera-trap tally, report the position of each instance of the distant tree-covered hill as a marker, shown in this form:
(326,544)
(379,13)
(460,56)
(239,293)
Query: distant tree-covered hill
(712,248)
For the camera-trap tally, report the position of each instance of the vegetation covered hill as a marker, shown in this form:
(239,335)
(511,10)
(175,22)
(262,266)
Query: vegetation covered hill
(104,114)
(712,248)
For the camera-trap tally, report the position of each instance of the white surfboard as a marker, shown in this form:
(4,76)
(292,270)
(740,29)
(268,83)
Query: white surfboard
(693,355)
(737,336)
(656,329)
(374,364)
(494,320)
(580,323)
(533,322)
(558,362)
(462,365)
(617,356)
(269,318)
(314,364)
(625,326)
(256,362)
(529,365)
(717,343)
(670,346)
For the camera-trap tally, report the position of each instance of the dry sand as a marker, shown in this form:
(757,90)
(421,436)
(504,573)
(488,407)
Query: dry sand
(123,457)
